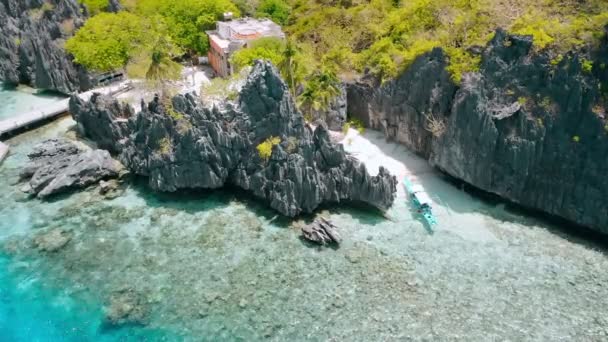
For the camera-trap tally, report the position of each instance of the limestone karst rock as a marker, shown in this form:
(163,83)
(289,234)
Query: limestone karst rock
(58,165)
(524,127)
(191,146)
(32,35)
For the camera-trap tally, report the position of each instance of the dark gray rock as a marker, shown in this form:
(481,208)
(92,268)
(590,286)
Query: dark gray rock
(321,231)
(208,148)
(31,44)
(402,108)
(57,166)
(523,128)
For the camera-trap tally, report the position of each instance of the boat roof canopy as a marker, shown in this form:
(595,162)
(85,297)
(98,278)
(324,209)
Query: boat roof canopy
(417,188)
(423,198)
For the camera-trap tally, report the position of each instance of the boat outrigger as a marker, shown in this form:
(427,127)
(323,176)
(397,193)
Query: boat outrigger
(421,200)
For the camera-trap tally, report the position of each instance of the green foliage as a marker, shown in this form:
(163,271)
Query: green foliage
(95,6)
(222,88)
(165,146)
(17,41)
(353,123)
(155,63)
(461,62)
(535,25)
(385,36)
(265,148)
(587,65)
(576,138)
(187,20)
(558,59)
(269,48)
(277,10)
(320,90)
(109,40)
(522,100)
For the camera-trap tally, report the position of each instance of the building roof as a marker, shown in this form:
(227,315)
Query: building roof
(248,28)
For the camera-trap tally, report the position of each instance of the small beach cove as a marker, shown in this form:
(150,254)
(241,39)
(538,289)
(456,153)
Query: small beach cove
(223,266)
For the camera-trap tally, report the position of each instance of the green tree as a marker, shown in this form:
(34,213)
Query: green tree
(269,48)
(95,6)
(187,20)
(320,90)
(277,10)
(108,40)
(155,64)
(289,66)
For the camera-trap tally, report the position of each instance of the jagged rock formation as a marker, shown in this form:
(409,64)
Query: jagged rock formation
(321,231)
(57,166)
(31,44)
(527,126)
(335,115)
(190,146)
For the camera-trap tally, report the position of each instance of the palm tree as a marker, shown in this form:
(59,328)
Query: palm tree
(156,65)
(289,64)
(320,91)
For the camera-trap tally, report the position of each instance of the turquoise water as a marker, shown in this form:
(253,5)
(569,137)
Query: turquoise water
(218,266)
(22,99)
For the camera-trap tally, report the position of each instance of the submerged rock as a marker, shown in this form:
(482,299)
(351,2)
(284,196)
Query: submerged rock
(189,146)
(58,165)
(110,189)
(321,231)
(126,307)
(31,44)
(52,241)
(528,127)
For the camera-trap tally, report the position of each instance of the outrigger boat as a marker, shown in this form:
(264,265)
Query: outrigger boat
(421,200)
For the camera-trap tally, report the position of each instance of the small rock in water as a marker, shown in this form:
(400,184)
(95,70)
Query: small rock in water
(58,165)
(321,231)
(126,307)
(52,241)
(110,189)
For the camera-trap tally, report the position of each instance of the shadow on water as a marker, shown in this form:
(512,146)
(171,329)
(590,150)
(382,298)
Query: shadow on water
(493,206)
(193,201)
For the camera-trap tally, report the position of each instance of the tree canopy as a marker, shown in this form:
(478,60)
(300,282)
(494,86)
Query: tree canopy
(187,20)
(95,6)
(108,40)
(277,10)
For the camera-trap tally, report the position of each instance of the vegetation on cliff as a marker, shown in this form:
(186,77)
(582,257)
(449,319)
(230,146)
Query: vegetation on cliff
(382,37)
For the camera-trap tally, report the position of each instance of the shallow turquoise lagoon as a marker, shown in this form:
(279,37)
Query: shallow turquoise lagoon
(23,99)
(219,266)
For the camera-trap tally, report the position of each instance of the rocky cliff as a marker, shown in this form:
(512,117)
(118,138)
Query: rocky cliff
(32,36)
(185,145)
(530,127)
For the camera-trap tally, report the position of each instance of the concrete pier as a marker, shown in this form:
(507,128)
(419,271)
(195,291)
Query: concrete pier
(3,151)
(24,120)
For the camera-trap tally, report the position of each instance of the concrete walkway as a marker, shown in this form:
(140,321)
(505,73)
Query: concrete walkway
(50,111)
